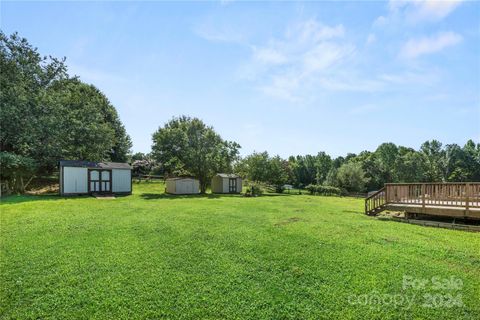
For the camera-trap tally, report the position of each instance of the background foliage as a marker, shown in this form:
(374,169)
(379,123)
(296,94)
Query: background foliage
(368,171)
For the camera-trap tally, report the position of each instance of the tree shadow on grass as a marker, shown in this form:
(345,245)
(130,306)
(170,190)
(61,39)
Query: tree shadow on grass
(156,196)
(14,199)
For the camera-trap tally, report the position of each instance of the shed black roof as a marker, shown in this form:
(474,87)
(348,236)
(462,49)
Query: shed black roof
(90,164)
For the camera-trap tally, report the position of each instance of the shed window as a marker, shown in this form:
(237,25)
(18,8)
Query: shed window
(94,175)
(105,175)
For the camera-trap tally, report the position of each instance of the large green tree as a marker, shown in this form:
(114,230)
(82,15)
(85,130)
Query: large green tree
(260,167)
(323,163)
(187,146)
(351,177)
(434,157)
(46,116)
(25,109)
(86,123)
(386,158)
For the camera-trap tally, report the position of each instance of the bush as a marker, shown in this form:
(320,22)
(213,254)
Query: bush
(254,190)
(324,190)
(352,177)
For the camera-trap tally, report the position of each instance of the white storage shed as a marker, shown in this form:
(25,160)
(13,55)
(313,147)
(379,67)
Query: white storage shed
(226,183)
(182,186)
(85,177)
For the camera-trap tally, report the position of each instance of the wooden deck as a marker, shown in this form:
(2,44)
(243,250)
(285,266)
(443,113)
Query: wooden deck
(459,200)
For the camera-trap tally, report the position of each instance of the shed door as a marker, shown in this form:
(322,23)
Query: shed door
(105,176)
(99,180)
(232,185)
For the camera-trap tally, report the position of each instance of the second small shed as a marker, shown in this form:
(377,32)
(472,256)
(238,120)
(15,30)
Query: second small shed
(226,183)
(182,186)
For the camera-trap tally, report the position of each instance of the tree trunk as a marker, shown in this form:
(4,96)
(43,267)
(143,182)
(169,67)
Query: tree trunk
(22,186)
(203,186)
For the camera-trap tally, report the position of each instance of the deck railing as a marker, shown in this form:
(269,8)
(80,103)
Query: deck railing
(375,201)
(451,194)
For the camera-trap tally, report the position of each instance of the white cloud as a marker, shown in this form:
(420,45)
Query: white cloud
(380,21)
(371,38)
(269,56)
(416,47)
(283,86)
(312,31)
(214,33)
(324,55)
(435,10)
(286,67)
(422,77)
(416,11)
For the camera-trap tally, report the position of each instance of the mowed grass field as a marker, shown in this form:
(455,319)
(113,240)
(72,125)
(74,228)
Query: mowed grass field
(151,255)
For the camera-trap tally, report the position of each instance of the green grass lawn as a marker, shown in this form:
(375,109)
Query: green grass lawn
(151,255)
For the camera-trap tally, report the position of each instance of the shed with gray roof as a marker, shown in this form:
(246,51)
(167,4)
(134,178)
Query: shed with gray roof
(182,185)
(79,177)
(226,183)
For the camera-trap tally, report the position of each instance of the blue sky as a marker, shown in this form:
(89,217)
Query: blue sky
(289,78)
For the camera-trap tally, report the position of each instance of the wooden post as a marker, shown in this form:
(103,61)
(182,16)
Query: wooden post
(467,197)
(423,197)
(386,194)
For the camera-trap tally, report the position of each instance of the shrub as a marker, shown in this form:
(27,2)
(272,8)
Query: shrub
(324,190)
(254,190)
(141,167)
(311,188)
(352,177)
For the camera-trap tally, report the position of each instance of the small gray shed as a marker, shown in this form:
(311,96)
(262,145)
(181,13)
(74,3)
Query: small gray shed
(84,177)
(226,183)
(182,185)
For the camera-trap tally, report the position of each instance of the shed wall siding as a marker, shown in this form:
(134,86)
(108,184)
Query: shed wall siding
(121,180)
(217,184)
(183,186)
(75,180)
(170,186)
(226,181)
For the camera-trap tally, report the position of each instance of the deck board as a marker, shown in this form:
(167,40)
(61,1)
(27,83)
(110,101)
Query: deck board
(435,210)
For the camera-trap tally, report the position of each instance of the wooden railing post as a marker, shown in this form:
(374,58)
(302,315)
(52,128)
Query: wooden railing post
(423,197)
(386,194)
(467,197)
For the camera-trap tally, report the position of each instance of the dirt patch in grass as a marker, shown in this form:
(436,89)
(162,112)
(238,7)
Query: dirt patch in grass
(288,221)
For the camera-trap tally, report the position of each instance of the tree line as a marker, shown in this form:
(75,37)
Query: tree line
(367,171)
(186,146)
(47,115)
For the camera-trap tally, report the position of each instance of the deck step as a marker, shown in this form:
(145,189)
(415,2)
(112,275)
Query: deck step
(376,210)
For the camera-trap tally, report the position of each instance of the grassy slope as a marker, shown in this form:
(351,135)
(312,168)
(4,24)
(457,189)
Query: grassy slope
(151,255)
